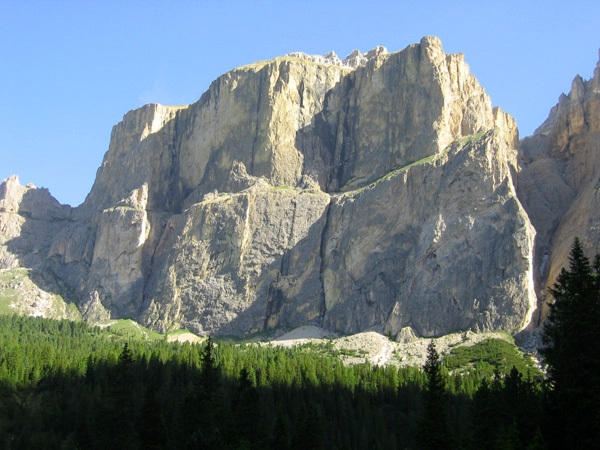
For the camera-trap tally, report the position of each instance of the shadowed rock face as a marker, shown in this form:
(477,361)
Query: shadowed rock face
(374,193)
(559,181)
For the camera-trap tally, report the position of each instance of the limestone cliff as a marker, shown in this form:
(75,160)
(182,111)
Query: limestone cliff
(559,183)
(29,218)
(378,192)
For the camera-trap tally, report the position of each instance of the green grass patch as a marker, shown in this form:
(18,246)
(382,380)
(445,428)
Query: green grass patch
(5,302)
(468,141)
(282,188)
(486,357)
(129,329)
(16,286)
(175,335)
(396,171)
(13,276)
(8,295)
(122,208)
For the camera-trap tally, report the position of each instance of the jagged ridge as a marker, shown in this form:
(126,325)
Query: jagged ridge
(381,197)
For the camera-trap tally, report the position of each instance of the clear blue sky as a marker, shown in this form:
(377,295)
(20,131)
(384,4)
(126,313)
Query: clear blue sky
(70,70)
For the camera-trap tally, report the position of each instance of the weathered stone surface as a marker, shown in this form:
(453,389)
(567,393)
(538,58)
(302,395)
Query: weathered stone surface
(30,201)
(29,219)
(142,152)
(374,193)
(559,182)
(93,310)
(252,115)
(35,293)
(400,108)
(236,263)
(452,256)
(352,61)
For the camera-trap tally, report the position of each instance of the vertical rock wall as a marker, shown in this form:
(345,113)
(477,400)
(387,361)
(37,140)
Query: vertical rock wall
(379,196)
(559,183)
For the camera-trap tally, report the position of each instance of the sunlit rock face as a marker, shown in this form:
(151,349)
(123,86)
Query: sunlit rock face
(379,192)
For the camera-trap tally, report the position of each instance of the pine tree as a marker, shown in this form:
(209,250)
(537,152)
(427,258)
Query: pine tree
(121,408)
(484,415)
(571,338)
(209,367)
(310,430)
(434,429)
(210,399)
(246,413)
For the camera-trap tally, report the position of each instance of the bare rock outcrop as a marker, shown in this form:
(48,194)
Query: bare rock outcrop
(373,193)
(358,262)
(400,108)
(141,153)
(559,181)
(29,218)
(455,256)
(237,263)
(352,61)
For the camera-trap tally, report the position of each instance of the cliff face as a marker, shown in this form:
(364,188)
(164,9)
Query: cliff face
(378,192)
(559,182)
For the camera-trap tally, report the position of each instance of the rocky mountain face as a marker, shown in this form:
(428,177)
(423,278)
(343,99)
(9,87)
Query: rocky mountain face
(381,192)
(559,180)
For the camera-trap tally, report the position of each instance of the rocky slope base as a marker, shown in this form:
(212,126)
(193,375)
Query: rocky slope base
(382,192)
(377,349)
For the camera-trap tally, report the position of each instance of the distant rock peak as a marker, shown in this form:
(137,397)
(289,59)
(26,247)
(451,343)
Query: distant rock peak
(581,91)
(355,59)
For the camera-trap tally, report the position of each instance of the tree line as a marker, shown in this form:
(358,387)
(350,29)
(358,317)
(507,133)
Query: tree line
(65,385)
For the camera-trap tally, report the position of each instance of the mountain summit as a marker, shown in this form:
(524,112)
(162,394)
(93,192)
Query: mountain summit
(380,192)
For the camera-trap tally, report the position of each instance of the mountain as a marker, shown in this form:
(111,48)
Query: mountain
(559,180)
(380,192)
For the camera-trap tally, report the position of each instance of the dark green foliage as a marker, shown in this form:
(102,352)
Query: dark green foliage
(434,430)
(67,385)
(506,412)
(571,339)
(487,357)
(246,416)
